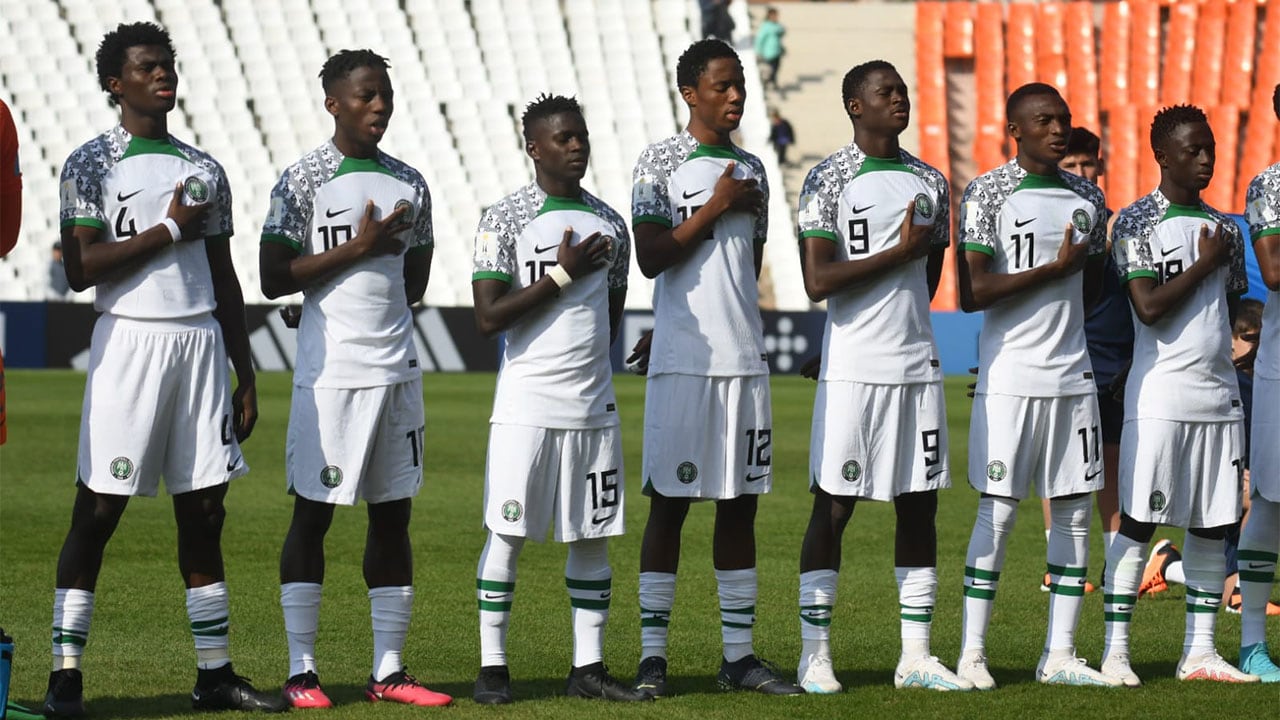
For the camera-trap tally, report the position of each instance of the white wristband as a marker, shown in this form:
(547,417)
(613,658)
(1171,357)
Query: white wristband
(175,232)
(559,276)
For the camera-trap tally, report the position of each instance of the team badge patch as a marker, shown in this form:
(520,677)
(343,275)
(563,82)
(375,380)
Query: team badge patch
(924,206)
(996,471)
(196,190)
(512,511)
(121,468)
(1156,502)
(331,476)
(1081,221)
(686,472)
(851,471)
(408,209)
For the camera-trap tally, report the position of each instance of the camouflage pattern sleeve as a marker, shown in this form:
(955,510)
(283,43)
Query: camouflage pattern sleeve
(80,192)
(942,221)
(220,222)
(620,268)
(1098,233)
(1237,278)
(423,231)
(1131,244)
(289,216)
(1262,203)
(495,250)
(819,205)
(761,234)
(978,218)
(650,202)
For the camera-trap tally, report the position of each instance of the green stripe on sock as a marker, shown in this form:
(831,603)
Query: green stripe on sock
(491,606)
(980,593)
(1068,590)
(1256,555)
(1257,576)
(1117,617)
(213,632)
(816,622)
(749,610)
(917,618)
(1192,592)
(815,607)
(206,624)
(1067,571)
(584,604)
(972,572)
(1193,608)
(654,622)
(495,585)
(69,640)
(1113,599)
(572,584)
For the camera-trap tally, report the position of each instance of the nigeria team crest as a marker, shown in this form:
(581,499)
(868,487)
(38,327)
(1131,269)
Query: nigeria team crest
(851,471)
(196,189)
(924,206)
(1080,221)
(996,471)
(331,476)
(121,468)
(512,511)
(686,472)
(408,209)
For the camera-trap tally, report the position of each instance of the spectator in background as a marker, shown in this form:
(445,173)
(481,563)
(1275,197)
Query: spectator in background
(781,135)
(716,21)
(58,287)
(769,48)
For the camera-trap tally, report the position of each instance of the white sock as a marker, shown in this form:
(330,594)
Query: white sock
(1068,559)
(817,600)
(657,596)
(1174,572)
(495,591)
(917,589)
(301,604)
(390,608)
(1108,537)
(1125,560)
(985,557)
(590,582)
(737,611)
(208,610)
(72,613)
(1259,543)
(1047,532)
(1206,569)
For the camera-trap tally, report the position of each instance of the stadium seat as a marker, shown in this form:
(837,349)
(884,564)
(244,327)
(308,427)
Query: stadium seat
(1225,121)
(1020,45)
(1144,54)
(1237,61)
(1082,66)
(1113,91)
(1180,53)
(1050,43)
(1210,36)
(988,76)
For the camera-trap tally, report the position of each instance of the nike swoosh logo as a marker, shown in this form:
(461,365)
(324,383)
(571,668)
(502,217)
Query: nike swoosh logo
(121,197)
(753,478)
(1020,223)
(1124,608)
(858,211)
(599,520)
(1166,253)
(1255,566)
(695,193)
(934,474)
(234,464)
(540,250)
(335,213)
(606,595)
(494,596)
(1088,477)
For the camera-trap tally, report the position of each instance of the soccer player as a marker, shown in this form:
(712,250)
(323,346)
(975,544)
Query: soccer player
(555,450)
(146,218)
(874,227)
(1260,540)
(1034,240)
(699,214)
(350,228)
(1182,449)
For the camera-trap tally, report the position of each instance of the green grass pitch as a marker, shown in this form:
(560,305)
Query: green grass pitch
(139,661)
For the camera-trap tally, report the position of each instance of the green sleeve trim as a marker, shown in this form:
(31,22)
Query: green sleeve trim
(824,234)
(491,275)
(978,248)
(1266,232)
(282,240)
(420,248)
(85,222)
(655,219)
(1142,274)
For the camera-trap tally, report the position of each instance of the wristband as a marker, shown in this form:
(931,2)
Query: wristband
(559,276)
(175,232)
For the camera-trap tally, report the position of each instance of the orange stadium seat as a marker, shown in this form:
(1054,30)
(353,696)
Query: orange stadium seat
(1122,156)
(988,76)
(1082,65)
(1225,122)
(1179,54)
(931,97)
(1144,54)
(1114,56)
(1020,45)
(1237,59)
(1148,170)
(957,41)
(1211,31)
(1051,52)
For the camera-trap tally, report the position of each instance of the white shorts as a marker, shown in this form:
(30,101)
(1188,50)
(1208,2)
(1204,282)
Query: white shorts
(878,441)
(1264,441)
(347,444)
(1185,474)
(534,474)
(1051,443)
(709,438)
(157,402)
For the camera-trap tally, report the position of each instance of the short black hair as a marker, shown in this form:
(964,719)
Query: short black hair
(114,45)
(1170,119)
(1029,90)
(1083,142)
(856,79)
(1275,100)
(545,106)
(341,63)
(1248,317)
(695,59)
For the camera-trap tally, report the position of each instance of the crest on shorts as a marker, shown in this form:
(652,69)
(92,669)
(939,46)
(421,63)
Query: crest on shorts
(924,206)
(121,468)
(196,189)
(1156,502)
(512,511)
(851,471)
(686,472)
(331,476)
(1080,220)
(996,470)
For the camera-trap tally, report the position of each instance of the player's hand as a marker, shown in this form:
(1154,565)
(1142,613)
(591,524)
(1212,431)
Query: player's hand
(244,410)
(638,361)
(379,237)
(584,258)
(740,195)
(812,367)
(190,218)
(1213,248)
(291,315)
(914,239)
(1071,255)
(972,387)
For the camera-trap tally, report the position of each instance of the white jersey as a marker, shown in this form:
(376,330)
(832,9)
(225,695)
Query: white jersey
(122,185)
(1182,366)
(356,328)
(706,307)
(879,331)
(1033,345)
(1263,213)
(555,364)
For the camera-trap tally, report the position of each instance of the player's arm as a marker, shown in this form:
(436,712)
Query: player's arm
(88,260)
(1094,268)
(235,334)
(1266,246)
(824,275)
(980,288)
(284,270)
(658,247)
(417,271)
(498,306)
(617,299)
(1152,301)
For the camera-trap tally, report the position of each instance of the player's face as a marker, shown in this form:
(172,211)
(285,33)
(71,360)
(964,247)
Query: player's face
(148,82)
(560,146)
(361,105)
(1188,155)
(716,103)
(883,105)
(1040,125)
(1085,165)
